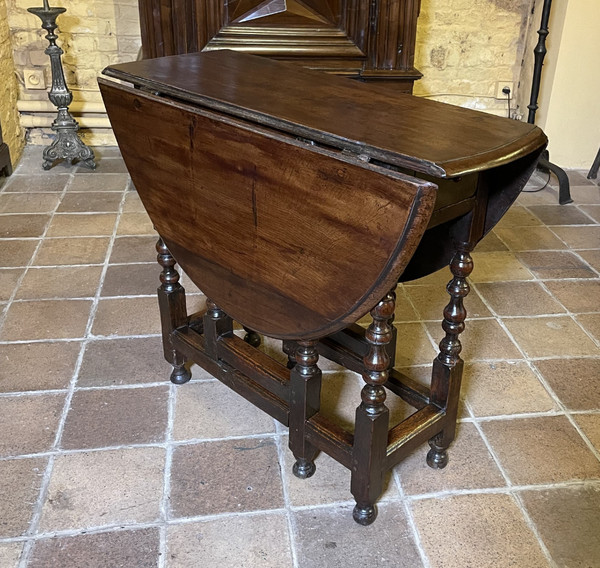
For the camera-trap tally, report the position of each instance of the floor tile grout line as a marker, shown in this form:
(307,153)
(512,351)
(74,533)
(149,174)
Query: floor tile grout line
(59,213)
(101,298)
(92,236)
(545,384)
(524,355)
(55,192)
(567,412)
(515,416)
(74,339)
(166,492)
(575,251)
(412,524)
(488,445)
(572,314)
(588,333)
(40,240)
(36,517)
(505,490)
(578,255)
(541,223)
(331,505)
(291,520)
(533,527)
(37,510)
(89,265)
(516,499)
(579,206)
(127,526)
(525,415)
(161,445)
(537,373)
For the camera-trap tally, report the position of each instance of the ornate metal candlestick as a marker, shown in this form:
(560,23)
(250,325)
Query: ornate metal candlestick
(67,144)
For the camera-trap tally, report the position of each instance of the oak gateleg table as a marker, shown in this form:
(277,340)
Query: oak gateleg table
(296,201)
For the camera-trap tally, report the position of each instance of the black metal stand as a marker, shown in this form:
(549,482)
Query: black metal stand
(593,173)
(564,193)
(67,145)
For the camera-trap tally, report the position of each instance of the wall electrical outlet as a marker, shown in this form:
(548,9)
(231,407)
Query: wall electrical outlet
(501,85)
(34,78)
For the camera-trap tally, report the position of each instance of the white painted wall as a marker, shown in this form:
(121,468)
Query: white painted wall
(570,99)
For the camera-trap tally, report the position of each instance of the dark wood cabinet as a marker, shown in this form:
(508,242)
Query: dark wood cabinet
(373,40)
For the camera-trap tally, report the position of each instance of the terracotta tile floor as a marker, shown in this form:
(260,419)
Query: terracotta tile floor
(104,463)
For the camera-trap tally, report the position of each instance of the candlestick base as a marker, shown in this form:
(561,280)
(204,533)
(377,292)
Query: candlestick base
(67,145)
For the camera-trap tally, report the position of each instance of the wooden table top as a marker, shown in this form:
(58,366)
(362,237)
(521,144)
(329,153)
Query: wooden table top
(411,132)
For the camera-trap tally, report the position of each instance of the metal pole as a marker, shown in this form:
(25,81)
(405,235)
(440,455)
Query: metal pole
(539,52)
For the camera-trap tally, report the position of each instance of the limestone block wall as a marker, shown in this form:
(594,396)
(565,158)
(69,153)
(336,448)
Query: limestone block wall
(465,46)
(12,132)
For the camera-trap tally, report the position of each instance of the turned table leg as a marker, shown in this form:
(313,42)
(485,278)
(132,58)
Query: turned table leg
(448,366)
(372,416)
(289,348)
(173,312)
(305,399)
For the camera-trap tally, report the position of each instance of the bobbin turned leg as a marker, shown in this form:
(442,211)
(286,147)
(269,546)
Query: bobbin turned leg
(305,399)
(173,312)
(372,416)
(448,366)
(289,348)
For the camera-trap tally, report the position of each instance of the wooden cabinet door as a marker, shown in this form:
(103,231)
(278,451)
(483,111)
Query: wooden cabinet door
(370,39)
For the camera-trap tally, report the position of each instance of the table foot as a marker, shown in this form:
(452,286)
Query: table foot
(251,338)
(180,375)
(364,514)
(303,469)
(437,457)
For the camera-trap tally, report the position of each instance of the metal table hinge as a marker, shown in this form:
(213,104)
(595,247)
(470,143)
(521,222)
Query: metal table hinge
(358,155)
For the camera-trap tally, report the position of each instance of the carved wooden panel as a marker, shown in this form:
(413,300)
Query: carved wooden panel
(370,39)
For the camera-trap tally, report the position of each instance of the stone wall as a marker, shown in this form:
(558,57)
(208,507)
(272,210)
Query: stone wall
(9,90)
(465,46)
